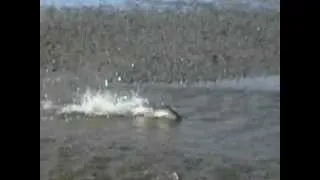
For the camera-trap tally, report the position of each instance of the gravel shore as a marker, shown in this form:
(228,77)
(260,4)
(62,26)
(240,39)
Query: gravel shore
(164,46)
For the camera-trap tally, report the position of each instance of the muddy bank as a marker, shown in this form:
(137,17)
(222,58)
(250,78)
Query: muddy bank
(167,46)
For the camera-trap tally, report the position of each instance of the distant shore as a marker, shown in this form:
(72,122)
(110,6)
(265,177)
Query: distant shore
(165,46)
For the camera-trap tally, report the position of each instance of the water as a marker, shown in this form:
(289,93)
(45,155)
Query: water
(230,130)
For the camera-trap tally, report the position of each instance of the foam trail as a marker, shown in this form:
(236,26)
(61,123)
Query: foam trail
(267,83)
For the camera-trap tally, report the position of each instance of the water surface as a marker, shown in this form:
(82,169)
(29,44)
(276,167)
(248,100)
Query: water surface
(230,130)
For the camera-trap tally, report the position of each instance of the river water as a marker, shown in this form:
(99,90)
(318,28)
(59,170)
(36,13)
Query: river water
(230,130)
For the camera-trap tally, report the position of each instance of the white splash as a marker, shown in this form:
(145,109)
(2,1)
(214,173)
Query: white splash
(47,105)
(105,103)
(106,83)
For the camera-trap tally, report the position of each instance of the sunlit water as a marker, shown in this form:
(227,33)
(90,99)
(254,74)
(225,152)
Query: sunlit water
(230,130)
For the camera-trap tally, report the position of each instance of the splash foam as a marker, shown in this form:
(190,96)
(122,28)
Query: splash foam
(105,103)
